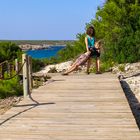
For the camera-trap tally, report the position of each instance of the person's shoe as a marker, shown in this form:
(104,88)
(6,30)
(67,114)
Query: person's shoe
(64,74)
(98,72)
(87,72)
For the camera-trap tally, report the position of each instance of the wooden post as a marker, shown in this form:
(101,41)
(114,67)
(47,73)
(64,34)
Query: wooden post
(4,69)
(136,2)
(12,68)
(16,65)
(25,75)
(0,71)
(8,69)
(30,73)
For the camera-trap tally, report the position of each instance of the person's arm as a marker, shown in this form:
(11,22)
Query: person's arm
(97,46)
(86,42)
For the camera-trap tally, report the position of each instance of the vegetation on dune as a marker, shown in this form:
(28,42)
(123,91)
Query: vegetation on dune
(9,51)
(10,88)
(117,24)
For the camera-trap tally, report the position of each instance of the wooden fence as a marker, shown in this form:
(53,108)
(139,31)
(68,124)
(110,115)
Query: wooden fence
(13,69)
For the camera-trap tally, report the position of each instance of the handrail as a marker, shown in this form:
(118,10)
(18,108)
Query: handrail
(27,73)
(6,66)
(17,73)
(6,61)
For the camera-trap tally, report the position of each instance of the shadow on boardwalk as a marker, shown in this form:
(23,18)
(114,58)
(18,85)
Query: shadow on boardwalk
(31,106)
(77,107)
(132,100)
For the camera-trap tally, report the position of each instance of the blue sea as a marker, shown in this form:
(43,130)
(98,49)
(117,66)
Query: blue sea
(45,53)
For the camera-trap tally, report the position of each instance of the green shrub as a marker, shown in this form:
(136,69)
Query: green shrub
(52,70)
(121,67)
(9,51)
(117,23)
(37,64)
(10,88)
(104,67)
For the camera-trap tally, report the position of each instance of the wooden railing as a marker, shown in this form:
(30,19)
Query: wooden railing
(27,74)
(23,69)
(6,67)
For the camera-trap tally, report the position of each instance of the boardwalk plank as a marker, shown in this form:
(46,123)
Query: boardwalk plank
(75,107)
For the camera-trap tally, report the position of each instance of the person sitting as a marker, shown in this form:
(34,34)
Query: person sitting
(82,59)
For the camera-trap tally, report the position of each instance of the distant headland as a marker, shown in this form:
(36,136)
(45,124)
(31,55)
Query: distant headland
(38,44)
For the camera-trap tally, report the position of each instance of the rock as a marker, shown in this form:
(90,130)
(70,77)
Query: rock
(134,83)
(63,66)
(58,67)
(40,76)
(115,70)
(52,70)
(127,67)
(130,81)
(120,76)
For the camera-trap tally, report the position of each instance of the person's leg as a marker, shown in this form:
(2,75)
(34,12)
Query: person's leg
(98,65)
(80,60)
(72,68)
(88,65)
(75,65)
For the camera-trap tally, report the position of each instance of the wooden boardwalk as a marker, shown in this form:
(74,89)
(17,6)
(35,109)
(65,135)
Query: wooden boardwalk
(74,107)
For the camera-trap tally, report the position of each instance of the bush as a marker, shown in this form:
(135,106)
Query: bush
(52,70)
(104,67)
(10,88)
(9,51)
(72,50)
(121,67)
(117,23)
(37,64)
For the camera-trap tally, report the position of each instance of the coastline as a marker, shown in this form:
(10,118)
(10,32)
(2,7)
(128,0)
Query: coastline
(27,47)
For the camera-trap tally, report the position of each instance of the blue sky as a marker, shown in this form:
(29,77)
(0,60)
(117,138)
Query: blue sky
(45,19)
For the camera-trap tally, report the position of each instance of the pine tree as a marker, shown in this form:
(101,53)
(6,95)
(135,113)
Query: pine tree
(118,24)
